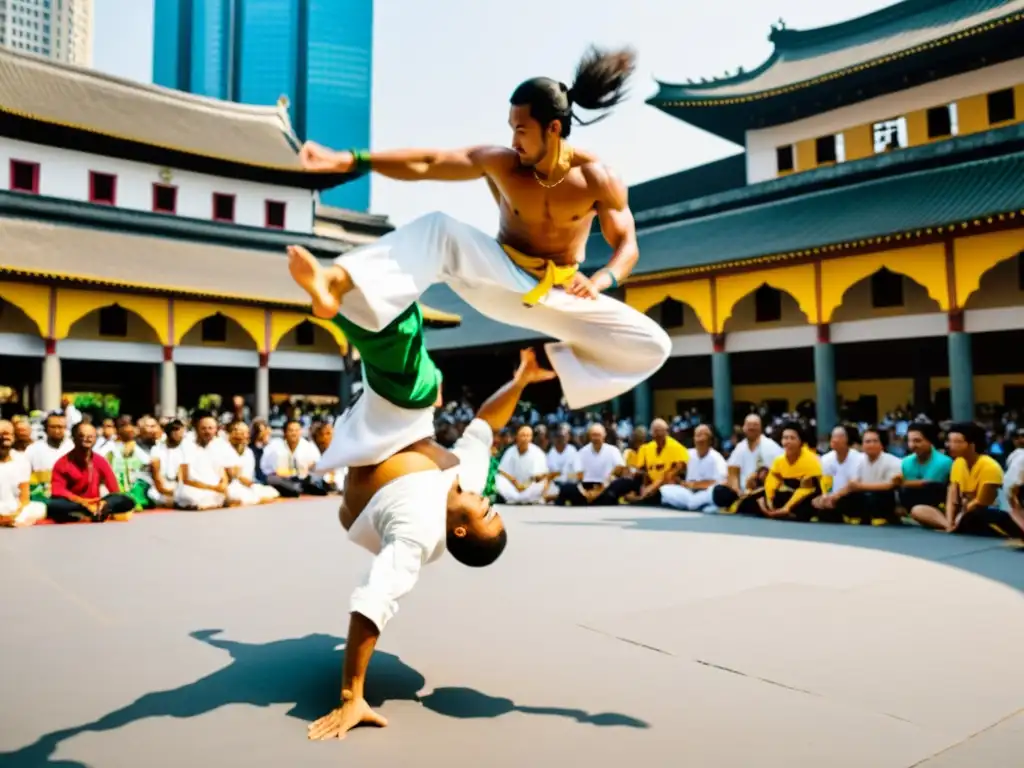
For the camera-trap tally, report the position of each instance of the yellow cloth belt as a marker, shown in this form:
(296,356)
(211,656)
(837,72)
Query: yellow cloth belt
(548,274)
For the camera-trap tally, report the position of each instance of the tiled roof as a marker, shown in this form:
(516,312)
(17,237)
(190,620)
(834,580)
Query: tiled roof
(893,205)
(802,56)
(74,97)
(708,179)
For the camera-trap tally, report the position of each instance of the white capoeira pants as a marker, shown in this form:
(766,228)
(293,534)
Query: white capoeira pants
(678,497)
(32,513)
(604,348)
(159,499)
(247,495)
(187,497)
(534,494)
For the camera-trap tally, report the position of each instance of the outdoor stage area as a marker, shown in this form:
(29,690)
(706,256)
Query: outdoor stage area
(603,637)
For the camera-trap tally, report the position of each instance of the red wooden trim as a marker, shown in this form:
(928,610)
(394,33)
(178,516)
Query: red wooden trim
(266,214)
(264,359)
(956,321)
(714,304)
(951,271)
(92,188)
(817,291)
(718,342)
(51,346)
(174,203)
(35,176)
(213,204)
(824,333)
(168,354)
(51,326)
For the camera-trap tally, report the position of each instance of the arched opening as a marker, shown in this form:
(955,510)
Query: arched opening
(884,293)
(113,323)
(676,317)
(765,307)
(308,337)
(21,370)
(14,320)
(220,331)
(1001,286)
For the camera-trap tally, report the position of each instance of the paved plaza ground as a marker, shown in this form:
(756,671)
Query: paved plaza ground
(604,637)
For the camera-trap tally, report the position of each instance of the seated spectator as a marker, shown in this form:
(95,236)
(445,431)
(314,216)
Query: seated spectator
(655,466)
(333,481)
(1013,488)
(705,468)
(748,467)
(595,466)
(560,461)
(259,440)
(288,464)
(872,496)
(106,438)
(76,481)
(925,471)
(839,468)
(541,438)
(974,484)
(16,507)
(165,465)
(236,457)
(794,480)
(636,441)
(131,463)
(523,471)
(22,436)
(204,481)
(42,455)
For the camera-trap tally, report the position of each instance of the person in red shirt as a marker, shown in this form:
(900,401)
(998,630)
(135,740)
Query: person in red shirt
(75,485)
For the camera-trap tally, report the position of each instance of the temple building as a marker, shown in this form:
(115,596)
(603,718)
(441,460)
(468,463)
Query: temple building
(864,247)
(142,237)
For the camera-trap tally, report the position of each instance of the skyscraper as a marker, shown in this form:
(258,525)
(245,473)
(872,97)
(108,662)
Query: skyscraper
(318,53)
(57,29)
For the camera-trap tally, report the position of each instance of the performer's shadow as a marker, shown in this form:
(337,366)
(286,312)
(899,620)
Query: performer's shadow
(304,672)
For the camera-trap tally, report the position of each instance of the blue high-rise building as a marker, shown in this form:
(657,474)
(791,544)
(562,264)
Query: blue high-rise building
(318,53)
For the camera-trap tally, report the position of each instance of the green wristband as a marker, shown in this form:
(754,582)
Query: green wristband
(611,276)
(362,161)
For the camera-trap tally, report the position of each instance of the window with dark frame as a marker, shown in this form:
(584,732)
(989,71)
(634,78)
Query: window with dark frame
(825,150)
(215,329)
(1001,106)
(671,314)
(275,214)
(165,198)
(767,305)
(886,289)
(223,207)
(785,159)
(102,188)
(24,177)
(940,122)
(114,321)
(304,334)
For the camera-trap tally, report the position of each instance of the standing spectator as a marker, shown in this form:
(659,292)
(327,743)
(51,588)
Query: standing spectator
(77,479)
(705,468)
(523,471)
(16,508)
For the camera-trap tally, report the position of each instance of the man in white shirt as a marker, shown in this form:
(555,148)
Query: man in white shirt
(560,461)
(842,465)
(523,471)
(43,454)
(871,498)
(748,467)
(593,469)
(204,482)
(288,464)
(166,459)
(16,508)
(237,459)
(705,469)
(71,413)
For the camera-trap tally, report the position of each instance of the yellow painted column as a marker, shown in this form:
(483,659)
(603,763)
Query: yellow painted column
(806,155)
(972,114)
(860,142)
(917,128)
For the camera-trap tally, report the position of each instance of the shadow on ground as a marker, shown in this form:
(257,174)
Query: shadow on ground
(990,558)
(299,671)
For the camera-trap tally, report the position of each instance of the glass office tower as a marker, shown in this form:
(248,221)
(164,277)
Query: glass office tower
(318,53)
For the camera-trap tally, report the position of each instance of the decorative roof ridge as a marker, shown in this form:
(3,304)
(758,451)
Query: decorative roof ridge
(349,216)
(17,205)
(270,113)
(956,151)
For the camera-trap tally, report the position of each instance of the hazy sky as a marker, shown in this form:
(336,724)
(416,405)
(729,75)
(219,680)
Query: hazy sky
(444,69)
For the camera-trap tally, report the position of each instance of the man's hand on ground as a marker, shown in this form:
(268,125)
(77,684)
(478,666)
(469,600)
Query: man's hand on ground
(351,714)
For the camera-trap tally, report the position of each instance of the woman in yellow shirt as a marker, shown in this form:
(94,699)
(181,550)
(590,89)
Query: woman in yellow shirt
(794,479)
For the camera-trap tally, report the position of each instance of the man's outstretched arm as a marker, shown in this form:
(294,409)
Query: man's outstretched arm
(406,164)
(500,406)
(618,228)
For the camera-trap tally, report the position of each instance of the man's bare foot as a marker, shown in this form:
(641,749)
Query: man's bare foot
(349,715)
(325,285)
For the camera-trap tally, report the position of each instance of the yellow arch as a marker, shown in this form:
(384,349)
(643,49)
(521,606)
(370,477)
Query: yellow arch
(33,300)
(73,305)
(694,293)
(974,256)
(797,281)
(282,322)
(188,313)
(925,265)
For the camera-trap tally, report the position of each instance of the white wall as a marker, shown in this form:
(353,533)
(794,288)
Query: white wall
(65,173)
(761,144)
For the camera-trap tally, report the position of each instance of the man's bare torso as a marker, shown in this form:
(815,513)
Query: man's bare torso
(363,482)
(551,222)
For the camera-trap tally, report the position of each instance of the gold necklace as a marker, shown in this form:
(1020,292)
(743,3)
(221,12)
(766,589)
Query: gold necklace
(563,163)
(545,184)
